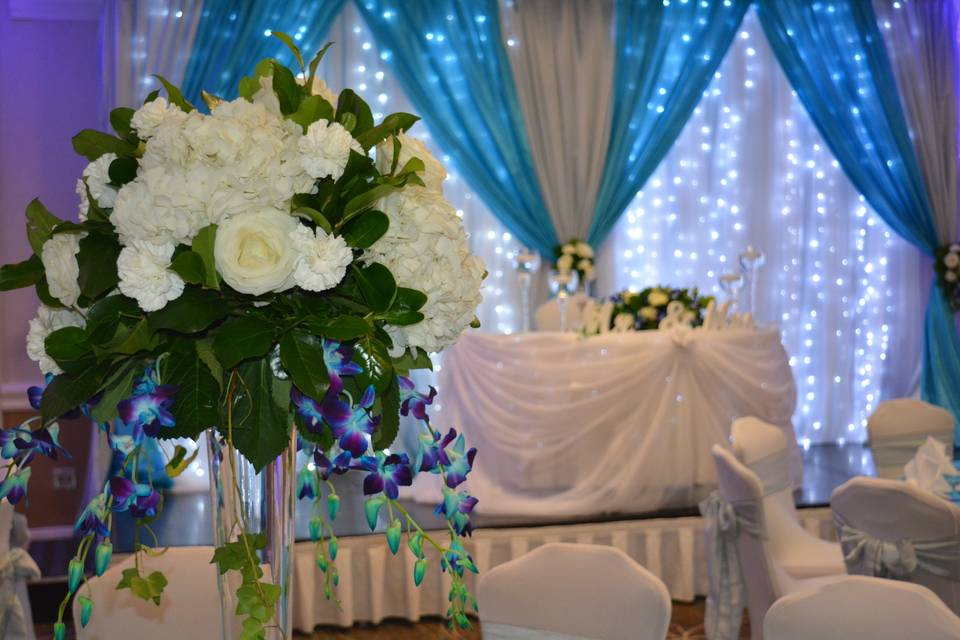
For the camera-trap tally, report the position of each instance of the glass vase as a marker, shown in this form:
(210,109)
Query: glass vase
(245,501)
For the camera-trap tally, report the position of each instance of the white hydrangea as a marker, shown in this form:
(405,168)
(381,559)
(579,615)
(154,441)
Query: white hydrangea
(59,257)
(433,175)
(426,249)
(160,207)
(325,149)
(148,118)
(97,176)
(47,321)
(145,275)
(323,259)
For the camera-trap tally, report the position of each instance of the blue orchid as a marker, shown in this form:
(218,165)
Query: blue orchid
(14,486)
(413,401)
(456,507)
(149,406)
(331,411)
(140,499)
(461,462)
(338,466)
(93,519)
(386,473)
(307,485)
(26,442)
(431,451)
(457,559)
(354,432)
(339,361)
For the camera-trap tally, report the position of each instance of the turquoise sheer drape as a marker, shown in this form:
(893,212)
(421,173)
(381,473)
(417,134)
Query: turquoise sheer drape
(834,56)
(666,55)
(448,55)
(234,36)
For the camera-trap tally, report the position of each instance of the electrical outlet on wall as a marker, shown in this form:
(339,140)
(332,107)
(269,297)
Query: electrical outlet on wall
(64,478)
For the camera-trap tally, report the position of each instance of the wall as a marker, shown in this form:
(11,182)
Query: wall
(50,89)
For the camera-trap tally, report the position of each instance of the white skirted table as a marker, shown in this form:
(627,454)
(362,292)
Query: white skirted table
(574,426)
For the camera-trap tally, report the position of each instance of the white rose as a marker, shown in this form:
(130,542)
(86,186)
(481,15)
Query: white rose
(322,259)
(47,321)
(584,250)
(148,118)
(568,249)
(145,276)
(658,298)
(254,251)
(565,263)
(950,276)
(59,257)
(648,313)
(952,260)
(433,174)
(97,176)
(325,149)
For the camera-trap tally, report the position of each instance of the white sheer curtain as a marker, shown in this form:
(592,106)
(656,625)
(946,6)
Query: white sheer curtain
(750,168)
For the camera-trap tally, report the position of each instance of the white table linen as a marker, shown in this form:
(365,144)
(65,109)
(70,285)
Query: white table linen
(567,425)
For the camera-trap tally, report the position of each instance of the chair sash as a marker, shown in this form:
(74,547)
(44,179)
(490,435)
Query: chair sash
(897,451)
(725,522)
(15,565)
(900,558)
(773,471)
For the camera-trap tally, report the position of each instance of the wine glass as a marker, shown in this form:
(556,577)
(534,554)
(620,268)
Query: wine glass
(526,262)
(750,261)
(731,283)
(563,285)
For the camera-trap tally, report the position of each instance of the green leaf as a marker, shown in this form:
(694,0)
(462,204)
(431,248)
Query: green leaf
(43,292)
(209,358)
(128,341)
(248,87)
(196,406)
(67,346)
(123,170)
(350,102)
(242,338)
(149,588)
(92,144)
(312,109)
(393,124)
(202,245)
(106,314)
(180,461)
(120,121)
(153,95)
(69,390)
(342,328)
(195,310)
(366,229)
(94,212)
(389,425)
(287,40)
(261,429)
(373,357)
(401,318)
(301,354)
(289,93)
(175,95)
(318,218)
(40,225)
(419,359)
(348,121)
(316,63)
(97,260)
(409,299)
(366,200)
(377,285)
(21,274)
(116,389)
(189,266)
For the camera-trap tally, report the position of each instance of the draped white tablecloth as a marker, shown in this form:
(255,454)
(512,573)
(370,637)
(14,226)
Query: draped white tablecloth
(573,426)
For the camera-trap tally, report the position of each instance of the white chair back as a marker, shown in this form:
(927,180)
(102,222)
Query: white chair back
(547,316)
(560,591)
(189,608)
(889,528)
(898,427)
(850,607)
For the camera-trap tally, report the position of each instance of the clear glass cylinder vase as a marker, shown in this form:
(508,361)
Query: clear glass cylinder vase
(247,501)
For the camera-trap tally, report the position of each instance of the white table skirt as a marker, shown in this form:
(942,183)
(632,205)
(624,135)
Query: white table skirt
(567,425)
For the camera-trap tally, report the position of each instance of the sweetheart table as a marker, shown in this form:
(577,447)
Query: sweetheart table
(617,423)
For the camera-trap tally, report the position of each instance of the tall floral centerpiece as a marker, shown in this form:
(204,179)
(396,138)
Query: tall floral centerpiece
(267,274)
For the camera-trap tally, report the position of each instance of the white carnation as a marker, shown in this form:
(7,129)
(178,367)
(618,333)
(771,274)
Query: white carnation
(59,257)
(426,249)
(145,276)
(148,118)
(254,252)
(322,259)
(97,176)
(951,260)
(325,149)
(47,321)
(433,174)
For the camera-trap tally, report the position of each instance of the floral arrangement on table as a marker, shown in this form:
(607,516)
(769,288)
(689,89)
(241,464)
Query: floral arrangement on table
(948,272)
(575,255)
(241,272)
(647,309)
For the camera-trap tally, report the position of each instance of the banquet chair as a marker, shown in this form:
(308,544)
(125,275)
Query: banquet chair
(741,564)
(762,448)
(892,529)
(16,567)
(547,316)
(849,607)
(191,588)
(563,591)
(898,427)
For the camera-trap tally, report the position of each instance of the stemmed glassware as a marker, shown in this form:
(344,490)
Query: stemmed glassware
(731,283)
(563,285)
(750,261)
(526,262)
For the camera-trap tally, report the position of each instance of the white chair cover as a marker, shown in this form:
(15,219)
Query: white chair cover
(547,316)
(850,607)
(898,427)
(563,591)
(892,529)
(189,608)
(762,447)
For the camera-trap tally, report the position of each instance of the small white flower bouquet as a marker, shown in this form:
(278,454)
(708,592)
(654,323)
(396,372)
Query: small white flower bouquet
(948,273)
(575,255)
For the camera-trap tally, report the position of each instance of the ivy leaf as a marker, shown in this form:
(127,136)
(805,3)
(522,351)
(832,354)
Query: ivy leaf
(366,229)
(242,338)
(175,95)
(377,285)
(261,428)
(69,390)
(195,310)
(92,144)
(40,225)
(202,245)
(389,425)
(196,404)
(301,354)
(97,260)
(21,274)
